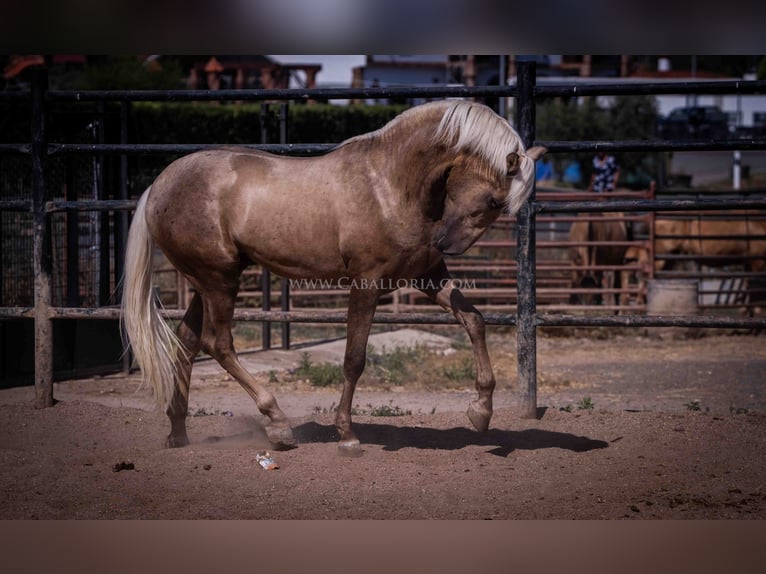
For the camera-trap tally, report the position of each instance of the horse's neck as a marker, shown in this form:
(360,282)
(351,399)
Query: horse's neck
(406,156)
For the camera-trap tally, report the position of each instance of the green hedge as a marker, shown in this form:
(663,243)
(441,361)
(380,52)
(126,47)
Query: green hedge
(241,123)
(191,122)
(631,117)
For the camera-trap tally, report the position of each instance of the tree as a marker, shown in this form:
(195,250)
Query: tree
(130,73)
(595,119)
(762,69)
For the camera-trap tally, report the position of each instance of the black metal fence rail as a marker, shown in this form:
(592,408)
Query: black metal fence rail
(526,92)
(316,149)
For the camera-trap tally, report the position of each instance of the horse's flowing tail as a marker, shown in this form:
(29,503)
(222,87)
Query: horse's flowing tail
(154,344)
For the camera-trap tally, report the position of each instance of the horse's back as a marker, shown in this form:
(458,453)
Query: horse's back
(234,204)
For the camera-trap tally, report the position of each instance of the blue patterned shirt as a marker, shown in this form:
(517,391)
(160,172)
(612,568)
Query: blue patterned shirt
(604,171)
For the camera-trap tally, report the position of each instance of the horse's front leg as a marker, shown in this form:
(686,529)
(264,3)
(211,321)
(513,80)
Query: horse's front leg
(451,299)
(361,309)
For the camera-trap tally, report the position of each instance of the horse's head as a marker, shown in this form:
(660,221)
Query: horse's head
(471,199)
(488,173)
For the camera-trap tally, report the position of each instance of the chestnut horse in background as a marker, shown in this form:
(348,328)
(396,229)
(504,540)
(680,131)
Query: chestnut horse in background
(382,206)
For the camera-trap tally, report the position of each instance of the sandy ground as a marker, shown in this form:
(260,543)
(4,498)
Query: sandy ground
(677,430)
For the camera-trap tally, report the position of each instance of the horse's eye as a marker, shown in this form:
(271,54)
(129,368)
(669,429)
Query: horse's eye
(493,203)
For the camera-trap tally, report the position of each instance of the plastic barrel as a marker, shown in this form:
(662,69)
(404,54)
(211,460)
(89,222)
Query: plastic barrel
(672,297)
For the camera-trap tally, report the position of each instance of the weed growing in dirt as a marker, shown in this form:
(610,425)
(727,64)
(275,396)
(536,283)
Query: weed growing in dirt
(463,371)
(737,410)
(585,404)
(393,366)
(203,412)
(693,406)
(389,410)
(319,374)
(419,366)
(385,368)
(461,343)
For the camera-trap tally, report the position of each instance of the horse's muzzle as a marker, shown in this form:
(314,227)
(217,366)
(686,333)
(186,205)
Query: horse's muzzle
(445,245)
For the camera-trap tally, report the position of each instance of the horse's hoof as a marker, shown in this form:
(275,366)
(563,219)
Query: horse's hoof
(176,441)
(479,416)
(350,448)
(281,437)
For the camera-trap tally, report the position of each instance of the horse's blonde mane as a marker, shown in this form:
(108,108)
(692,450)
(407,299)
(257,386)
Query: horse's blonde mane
(475,129)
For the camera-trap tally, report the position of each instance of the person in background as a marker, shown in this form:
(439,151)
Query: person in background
(606,172)
(572,173)
(544,170)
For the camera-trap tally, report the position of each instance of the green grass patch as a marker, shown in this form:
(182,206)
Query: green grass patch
(463,370)
(393,366)
(319,374)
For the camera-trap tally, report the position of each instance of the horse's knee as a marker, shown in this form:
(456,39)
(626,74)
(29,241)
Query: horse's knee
(474,324)
(218,346)
(353,366)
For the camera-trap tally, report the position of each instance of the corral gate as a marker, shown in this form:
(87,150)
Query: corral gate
(40,208)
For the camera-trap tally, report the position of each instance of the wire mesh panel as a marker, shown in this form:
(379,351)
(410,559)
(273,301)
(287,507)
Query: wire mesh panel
(16,273)
(77,236)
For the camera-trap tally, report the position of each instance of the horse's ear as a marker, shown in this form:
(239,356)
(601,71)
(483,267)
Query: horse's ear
(536,152)
(512,161)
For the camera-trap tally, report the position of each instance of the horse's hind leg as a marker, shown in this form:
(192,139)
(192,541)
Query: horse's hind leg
(218,342)
(189,332)
(451,299)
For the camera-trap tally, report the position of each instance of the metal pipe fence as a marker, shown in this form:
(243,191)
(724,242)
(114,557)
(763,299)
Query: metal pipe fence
(526,92)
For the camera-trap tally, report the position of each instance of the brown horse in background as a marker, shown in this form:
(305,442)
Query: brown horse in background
(720,241)
(588,228)
(733,238)
(380,207)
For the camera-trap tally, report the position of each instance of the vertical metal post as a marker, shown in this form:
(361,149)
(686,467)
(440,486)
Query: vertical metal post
(266,306)
(72,234)
(121,222)
(104,259)
(121,217)
(526,313)
(266,274)
(284,283)
(41,246)
(652,218)
(502,104)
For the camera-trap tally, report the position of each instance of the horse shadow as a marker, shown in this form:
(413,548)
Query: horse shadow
(504,442)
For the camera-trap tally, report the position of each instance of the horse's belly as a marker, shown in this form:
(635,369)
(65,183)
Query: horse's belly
(293,266)
(296,251)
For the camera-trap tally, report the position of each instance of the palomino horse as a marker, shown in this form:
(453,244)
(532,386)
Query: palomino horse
(380,207)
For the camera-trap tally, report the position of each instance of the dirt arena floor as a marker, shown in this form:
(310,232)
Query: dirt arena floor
(676,429)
